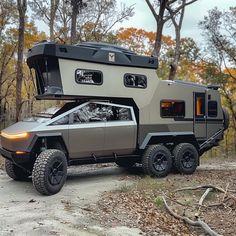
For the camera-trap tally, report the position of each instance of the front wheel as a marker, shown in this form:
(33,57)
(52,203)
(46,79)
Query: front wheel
(49,171)
(157,161)
(185,158)
(15,172)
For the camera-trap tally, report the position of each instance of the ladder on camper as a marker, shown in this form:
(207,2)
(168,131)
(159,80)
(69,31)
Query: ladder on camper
(211,140)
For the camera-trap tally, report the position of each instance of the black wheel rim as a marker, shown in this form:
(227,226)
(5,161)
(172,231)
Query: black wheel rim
(160,162)
(188,159)
(56,173)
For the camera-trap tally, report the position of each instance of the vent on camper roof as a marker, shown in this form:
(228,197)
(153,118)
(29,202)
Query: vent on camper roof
(213,86)
(95,45)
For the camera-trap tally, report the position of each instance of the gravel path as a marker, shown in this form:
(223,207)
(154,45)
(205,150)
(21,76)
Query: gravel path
(24,212)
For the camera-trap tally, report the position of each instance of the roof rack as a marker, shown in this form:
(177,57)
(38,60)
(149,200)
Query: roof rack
(210,86)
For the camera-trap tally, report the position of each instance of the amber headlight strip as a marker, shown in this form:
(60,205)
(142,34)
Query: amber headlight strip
(14,136)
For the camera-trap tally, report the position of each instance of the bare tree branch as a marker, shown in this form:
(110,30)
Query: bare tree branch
(152,10)
(198,222)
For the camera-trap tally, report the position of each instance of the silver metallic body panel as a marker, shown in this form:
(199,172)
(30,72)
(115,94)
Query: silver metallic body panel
(86,139)
(120,137)
(81,139)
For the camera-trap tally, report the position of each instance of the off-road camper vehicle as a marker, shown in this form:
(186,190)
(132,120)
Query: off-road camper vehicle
(118,111)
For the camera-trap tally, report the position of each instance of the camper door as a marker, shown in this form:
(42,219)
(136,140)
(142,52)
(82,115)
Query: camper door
(200,118)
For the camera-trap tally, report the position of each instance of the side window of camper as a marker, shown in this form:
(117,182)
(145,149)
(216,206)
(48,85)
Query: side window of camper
(171,108)
(212,109)
(84,76)
(135,81)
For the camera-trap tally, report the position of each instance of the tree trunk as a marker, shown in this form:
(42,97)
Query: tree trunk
(178,26)
(160,24)
(73,21)
(21,6)
(51,29)
(158,40)
(73,28)
(53,10)
(174,64)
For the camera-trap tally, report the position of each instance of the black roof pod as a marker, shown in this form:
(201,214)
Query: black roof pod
(101,53)
(111,47)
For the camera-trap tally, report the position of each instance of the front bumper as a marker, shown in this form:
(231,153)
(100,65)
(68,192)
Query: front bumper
(15,157)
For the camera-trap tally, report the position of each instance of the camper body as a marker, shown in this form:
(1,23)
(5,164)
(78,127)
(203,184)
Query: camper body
(121,112)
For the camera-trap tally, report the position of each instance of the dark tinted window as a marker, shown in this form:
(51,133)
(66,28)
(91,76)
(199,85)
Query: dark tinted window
(98,112)
(47,75)
(63,121)
(212,108)
(135,81)
(170,108)
(83,76)
(120,113)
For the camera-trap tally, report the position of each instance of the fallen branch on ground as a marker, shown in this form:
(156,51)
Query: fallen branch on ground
(198,222)
(227,187)
(202,199)
(204,196)
(226,192)
(176,201)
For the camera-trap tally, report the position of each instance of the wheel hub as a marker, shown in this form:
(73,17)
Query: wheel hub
(160,162)
(188,159)
(56,173)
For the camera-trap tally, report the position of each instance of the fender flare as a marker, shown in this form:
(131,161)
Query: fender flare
(46,135)
(168,136)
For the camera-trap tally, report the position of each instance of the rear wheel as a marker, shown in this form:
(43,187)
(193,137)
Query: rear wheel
(49,171)
(185,158)
(15,172)
(226,119)
(157,161)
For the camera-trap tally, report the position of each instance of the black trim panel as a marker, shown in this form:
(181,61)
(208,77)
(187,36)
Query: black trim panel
(16,158)
(198,119)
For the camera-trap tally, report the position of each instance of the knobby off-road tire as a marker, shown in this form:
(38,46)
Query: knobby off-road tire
(185,158)
(226,119)
(157,161)
(15,172)
(49,171)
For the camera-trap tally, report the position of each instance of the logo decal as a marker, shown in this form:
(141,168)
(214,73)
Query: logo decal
(111,57)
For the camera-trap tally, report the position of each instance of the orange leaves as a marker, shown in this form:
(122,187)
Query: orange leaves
(168,40)
(32,35)
(138,40)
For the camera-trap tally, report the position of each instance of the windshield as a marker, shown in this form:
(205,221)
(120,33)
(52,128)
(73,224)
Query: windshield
(44,116)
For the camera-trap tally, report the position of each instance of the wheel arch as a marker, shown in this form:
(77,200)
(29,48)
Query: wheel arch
(169,137)
(48,141)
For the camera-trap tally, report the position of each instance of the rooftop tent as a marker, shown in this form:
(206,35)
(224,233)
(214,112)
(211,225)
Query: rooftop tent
(53,66)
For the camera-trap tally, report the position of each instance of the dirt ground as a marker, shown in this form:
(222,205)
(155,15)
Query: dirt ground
(107,200)
(141,204)
(24,212)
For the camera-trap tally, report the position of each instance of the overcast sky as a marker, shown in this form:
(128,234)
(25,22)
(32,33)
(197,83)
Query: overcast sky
(193,14)
(144,19)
